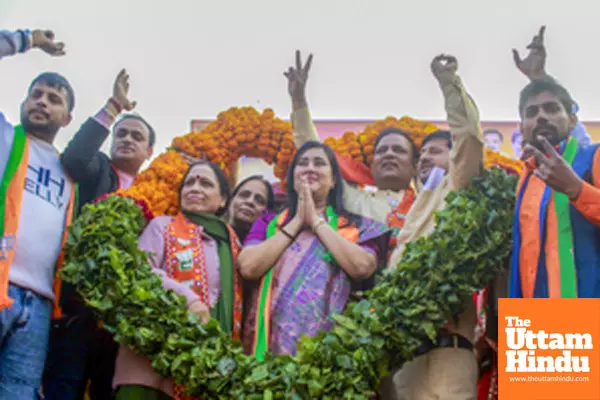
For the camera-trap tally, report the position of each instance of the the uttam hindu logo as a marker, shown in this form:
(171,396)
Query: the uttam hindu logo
(523,344)
(549,349)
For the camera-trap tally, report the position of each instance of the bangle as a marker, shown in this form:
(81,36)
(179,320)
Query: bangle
(286,233)
(116,105)
(317,223)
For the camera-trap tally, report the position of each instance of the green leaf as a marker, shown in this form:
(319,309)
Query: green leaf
(438,273)
(268,395)
(343,361)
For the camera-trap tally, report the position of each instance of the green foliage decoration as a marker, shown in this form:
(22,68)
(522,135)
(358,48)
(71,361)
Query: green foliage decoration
(436,278)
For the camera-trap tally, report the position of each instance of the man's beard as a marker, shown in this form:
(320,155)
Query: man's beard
(551,134)
(43,130)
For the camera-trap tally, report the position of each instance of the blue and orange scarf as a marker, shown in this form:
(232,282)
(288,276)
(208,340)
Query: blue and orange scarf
(564,246)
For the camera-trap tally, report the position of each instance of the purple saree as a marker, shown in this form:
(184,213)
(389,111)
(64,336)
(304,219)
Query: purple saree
(307,289)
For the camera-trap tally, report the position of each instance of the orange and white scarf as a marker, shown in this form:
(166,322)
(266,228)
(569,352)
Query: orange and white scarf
(11,198)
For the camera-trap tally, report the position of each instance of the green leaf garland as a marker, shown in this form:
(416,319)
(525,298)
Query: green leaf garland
(437,276)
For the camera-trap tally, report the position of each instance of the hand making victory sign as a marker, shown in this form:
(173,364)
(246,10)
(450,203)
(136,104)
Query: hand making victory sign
(297,78)
(554,170)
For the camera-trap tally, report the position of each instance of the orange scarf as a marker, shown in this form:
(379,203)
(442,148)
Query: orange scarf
(11,200)
(397,216)
(182,235)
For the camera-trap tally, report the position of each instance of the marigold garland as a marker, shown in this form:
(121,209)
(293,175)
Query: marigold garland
(245,131)
(242,131)
(360,146)
(158,185)
(493,158)
(235,132)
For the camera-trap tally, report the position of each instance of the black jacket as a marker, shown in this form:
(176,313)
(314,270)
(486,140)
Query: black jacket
(92,170)
(87,165)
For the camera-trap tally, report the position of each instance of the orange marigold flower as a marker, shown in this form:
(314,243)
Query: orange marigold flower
(245,131)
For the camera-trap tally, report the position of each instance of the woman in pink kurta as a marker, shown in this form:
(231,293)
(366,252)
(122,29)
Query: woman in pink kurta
(189,252)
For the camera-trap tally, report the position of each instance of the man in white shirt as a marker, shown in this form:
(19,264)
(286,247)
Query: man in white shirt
(35,216)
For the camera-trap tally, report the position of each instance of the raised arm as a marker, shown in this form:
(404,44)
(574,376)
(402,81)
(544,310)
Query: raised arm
(467,154)
(20,41)
(304,129)
(82,158)
(533,66)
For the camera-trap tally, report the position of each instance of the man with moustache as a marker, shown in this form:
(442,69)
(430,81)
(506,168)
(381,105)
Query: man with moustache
(392,170)
(533,67)
(556,248)
(449,160)
(434,159)
(37,200)
(80,350)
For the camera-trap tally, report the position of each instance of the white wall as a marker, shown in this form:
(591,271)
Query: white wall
(193,58)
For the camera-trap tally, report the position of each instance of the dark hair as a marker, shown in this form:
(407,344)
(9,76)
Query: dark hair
(336,195)
(221,178)
(397,131)
(549,85)
(270,195)
(151,133)
(56,81)
(494,132)
(441,134)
